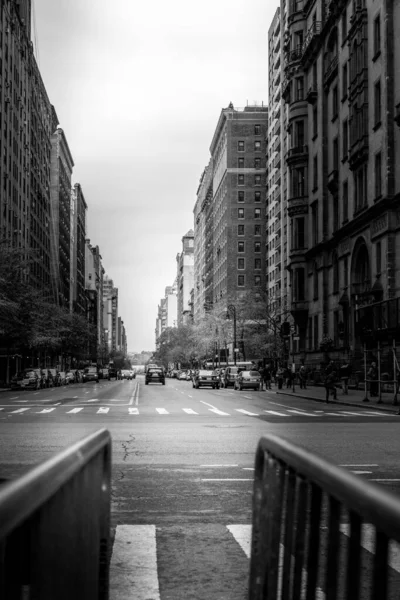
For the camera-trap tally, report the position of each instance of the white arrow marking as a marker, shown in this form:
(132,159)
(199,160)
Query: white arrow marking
(214,409)
(103,410)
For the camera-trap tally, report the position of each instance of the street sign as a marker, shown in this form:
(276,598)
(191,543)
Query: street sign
(236,350)
(296,338)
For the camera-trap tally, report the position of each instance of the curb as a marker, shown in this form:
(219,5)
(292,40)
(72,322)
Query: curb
(376,407)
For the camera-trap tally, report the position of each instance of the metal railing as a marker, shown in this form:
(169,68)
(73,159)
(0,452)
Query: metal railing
(298,550)
(55,526)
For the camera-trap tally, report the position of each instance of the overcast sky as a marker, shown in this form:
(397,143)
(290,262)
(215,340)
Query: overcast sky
(138,88)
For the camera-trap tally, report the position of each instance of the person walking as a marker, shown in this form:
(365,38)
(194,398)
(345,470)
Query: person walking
(279,377)
(303,377)
(373,379)
(345,372)
(330,385)
(267,378)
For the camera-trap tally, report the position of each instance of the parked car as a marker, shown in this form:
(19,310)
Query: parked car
(63,378)
(27,379)
(70,377)
(230,376)
(182,376)
(248,380)
(41,376)
(133,371)
(90,374)
(47,378)
(113,373)
(55,373)
(203,377)
(155,374)
(104,373)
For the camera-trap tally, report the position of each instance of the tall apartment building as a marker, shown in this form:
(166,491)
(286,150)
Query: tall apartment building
(276,208)
(94,293)
(78,245)
(203,246)
(342,90)
(110,312)
(185,278)
(60,197)
(167,313)
(238,151)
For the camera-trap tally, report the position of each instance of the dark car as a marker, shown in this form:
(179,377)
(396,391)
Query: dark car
(27,379)
(248,380)
(126,374)
(155,374)
(90,374)
(113,373)
(230,376)
(204,377)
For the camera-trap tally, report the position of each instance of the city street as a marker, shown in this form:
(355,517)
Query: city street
(183,466)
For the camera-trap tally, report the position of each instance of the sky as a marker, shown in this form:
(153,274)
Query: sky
(138,88)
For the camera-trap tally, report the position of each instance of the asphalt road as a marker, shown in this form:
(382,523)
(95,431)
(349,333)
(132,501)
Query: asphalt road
(183,467)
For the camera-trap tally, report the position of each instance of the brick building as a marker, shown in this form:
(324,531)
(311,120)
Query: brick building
(185,278)
(78,245)
(342,93)
(203,249)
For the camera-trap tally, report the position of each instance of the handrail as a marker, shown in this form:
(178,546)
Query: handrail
(55,521)
(290,487)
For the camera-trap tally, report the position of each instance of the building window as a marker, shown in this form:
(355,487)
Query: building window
(240,280)
(240,230)
(335,267)
(344,26)
(298,182)
(257,145)
(315,173)
(240,213)
(334,103)
(309,334)
(257,246)
(335,154)
(257,263)
(257,280)
(378,175)
(298,134)
(298,233)
(345,141)
(314,223)
(299,88)
(240,246)
(257,196)
(240,263)
(316,332)
(345,201)
(240,196)
(241,162)
(257,179)
(344,82)
(335,213)
(257,229)
(257,163)
(360,188)
(240,146)
(377,104)
(240,179)
(377,36)
(299,285)
(257,129)
(315,282)
(315,122)
(257,213)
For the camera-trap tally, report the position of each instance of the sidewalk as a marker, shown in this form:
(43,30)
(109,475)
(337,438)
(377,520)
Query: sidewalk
(354,398)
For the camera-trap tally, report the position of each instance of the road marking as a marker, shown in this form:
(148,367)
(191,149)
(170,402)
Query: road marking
(361,472)
(76,396)
(1,408)
(246,412)
(16,398)
(345,412)
(133,411)
(336,414)
(45,410)
(215,410)
(368,542)
(305,414)
(248,397)
(278,414)
(377,414)
(162,411)
(219,465)
(19,400)
(227,479)
(190,411)
(91,400)
(74,410)
(103,410)
(248,469)
(382,479)
(133,573)
(35,393)
(19,410)
(242,534)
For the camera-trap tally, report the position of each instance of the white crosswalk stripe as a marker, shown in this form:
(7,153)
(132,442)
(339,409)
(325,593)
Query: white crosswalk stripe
(103,410)
(19,410)
(189,411)
(246,412)
(162,411)
(74,410)
(275,413)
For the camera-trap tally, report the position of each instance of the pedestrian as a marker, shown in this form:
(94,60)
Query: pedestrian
(330,385)
(303,377)
(279,376)
(345,372)
(288,377)
(373,379)
(267,378)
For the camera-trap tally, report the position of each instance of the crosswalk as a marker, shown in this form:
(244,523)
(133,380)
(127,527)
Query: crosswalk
(203,409)
(150,562)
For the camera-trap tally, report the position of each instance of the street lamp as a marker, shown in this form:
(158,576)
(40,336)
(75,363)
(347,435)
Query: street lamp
(232,308)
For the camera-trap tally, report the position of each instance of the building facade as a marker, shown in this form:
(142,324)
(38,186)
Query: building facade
(78,250)
(110,313)
(185,278)
(94,293)
(203,250)
(60,196)
(342,93)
